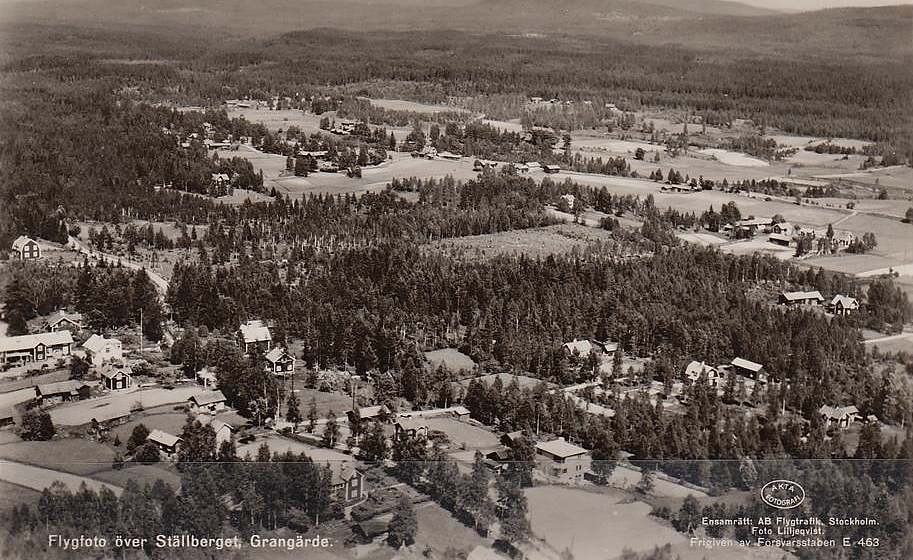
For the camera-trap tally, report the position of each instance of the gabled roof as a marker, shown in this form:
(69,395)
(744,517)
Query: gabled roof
(62,315)
(845,301)
(277,354)
(341,471)
(210,397)
(838,412)
(582,347)
(514,436)
(414,424)
(255,331)
(29,341)
(21,242)
(208,420)
(798,296)
(367,412)
(560,448)
(97,343)
(693,370)
(60,387)
(746,364)
(111,372)
(163,438)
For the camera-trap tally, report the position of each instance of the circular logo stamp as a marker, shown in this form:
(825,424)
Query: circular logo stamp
(782,494)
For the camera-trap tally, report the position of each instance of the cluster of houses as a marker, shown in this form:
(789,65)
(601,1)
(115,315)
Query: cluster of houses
(255,336)
(838,305)
(715,375)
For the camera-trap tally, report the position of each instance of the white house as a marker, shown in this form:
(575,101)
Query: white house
(695,369)
(100,350)
(222,429)
(562,460)
(255,335)
(840,416)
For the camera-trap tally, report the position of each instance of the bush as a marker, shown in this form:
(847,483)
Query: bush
(148,453)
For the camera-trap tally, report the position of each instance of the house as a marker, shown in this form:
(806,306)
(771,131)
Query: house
(100,350)
(166,442)
(843,305)
(72,390)
(460,412)
(207,378)
(410,427)
(219,179)
(115,378)
(783,228)
(213,401)
(63,321)
(840,417)
(26,249)
(780,239)
(348,482)
(510,438)
(222,429)
(255,335)
(551,168)
(842,239)
(582,348)
(695,369)
(749,369)
(801,298)
(35,347)
(368,413)
(280,362)
(562,460)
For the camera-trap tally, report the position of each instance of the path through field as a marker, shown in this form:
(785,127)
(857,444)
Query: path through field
(39,478)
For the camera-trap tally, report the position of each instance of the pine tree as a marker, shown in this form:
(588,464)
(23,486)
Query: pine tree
(292,414)
(404,525)
(330,430)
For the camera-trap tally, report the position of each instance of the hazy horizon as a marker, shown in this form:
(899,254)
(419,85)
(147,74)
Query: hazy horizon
(806,5)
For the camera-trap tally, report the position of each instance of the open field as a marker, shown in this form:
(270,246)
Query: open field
(39,478)
(142,474)
(13,398)
(279,444)
(534,242)
(415,107)
(451,358)
(438,530)
(76,456)
(326,402)
(278,120)
(594,525)
(463,434)
(119,404)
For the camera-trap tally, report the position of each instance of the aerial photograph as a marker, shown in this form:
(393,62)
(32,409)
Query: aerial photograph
(456,279)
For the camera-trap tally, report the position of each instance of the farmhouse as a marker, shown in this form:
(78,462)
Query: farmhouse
(26,249)
(280,362)
(801,298)
(551,168)
(562,460)
(749,369)
(212,401)
(166,442)
(35,347)
(843,305)
(840,417)
(63,321)
(695,369)
(581,348)
(72,390)
(115,378)
(255,335)
(783,228)
(410,427)
(222,429)
(372,413)
(100,350)
(347,481)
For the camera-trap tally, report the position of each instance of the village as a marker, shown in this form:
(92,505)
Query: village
(100,392)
